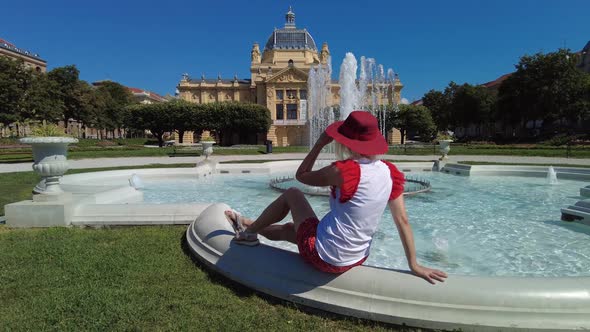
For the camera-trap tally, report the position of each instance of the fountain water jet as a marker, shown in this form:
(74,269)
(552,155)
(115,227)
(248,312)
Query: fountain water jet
(372,91)
(551,176)
(319,102)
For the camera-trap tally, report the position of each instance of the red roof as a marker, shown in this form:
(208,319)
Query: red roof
(497,81)
(150,94)
(135,90)
(3,41)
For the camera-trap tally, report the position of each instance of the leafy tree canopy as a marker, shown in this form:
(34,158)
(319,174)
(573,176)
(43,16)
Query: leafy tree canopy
(545,87)
(415,118)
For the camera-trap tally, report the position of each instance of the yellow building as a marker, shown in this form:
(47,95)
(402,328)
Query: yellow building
(31,60)
(278,80)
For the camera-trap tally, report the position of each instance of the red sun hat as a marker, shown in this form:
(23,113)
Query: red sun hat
(360,133)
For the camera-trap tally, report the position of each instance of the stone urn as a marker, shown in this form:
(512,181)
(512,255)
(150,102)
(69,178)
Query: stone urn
(207,148)
(444,145)
(50,161)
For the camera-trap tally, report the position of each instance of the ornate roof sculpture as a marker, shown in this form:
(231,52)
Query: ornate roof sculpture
(290,37)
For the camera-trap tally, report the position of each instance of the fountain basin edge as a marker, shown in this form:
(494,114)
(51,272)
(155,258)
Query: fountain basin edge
(468,303)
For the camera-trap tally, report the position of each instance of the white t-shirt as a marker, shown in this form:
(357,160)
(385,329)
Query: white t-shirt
(344,235)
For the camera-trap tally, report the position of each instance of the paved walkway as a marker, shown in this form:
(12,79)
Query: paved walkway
(137,161)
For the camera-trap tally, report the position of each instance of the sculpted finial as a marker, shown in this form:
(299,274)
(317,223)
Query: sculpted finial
(325,53)
(255,54)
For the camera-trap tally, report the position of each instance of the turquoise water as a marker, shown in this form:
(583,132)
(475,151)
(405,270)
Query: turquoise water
(485,225)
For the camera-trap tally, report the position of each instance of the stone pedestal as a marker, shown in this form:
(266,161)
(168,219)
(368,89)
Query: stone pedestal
(444,147)
(41,211)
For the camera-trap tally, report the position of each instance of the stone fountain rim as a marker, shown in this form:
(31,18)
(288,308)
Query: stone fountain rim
(48,140)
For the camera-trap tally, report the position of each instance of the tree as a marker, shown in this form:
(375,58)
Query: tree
(414,118)
(235,117)
(184,116)
(115,98)
(41,101)
(544,87)
(472,105)
(67,91)
(152,117)
(440,105)
(93,105)
(14,79)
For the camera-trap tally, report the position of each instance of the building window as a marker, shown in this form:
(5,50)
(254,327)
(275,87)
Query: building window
(291,111)
(291,94)
(279,113)
(279,94)
(303,94)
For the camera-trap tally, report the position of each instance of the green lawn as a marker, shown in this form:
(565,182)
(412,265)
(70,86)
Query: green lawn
(16,187)
(131,148)
(135,278)
(520,164)
(128,278)
(531,150)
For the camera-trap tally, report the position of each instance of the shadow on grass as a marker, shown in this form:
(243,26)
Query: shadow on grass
(243,291)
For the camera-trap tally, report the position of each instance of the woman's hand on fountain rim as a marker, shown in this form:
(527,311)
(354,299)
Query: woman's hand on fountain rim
(428,274)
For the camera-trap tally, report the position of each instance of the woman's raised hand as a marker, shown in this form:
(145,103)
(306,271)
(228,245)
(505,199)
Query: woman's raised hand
(429,274)
(324,139)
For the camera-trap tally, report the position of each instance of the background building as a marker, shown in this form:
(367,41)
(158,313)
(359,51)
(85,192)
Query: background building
(278,80)
(31,60)
(584,63)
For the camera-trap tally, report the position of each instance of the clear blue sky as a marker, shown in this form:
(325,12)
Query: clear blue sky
(149,44)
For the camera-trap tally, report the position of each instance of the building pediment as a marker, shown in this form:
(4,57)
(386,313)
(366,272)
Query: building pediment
(289,74)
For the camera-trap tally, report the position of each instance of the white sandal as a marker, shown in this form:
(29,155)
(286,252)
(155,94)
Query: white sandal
(237,223)
(246,238)
(243,237)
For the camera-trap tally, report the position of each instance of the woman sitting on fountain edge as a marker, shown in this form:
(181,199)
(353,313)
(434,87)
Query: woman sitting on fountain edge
(362,186)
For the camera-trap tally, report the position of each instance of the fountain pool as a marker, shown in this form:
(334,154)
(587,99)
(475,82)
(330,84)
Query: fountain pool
(486,226)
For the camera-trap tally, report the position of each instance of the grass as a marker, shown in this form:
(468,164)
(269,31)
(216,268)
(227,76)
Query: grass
(520,164)
(16,187)
(530,150)
(128,278)
(135,148)
(136,278)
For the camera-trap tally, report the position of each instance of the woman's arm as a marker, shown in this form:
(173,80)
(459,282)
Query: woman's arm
(327,176)
(400,217)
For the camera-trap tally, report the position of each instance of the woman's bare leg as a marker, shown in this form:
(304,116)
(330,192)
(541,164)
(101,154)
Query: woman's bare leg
(284,232)
(292,200)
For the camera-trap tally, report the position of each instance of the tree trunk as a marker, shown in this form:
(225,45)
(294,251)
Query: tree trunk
(159,136)
(181,136)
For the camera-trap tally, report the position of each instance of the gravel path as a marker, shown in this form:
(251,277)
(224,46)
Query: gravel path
(136,161)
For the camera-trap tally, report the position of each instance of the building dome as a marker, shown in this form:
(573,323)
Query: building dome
(289,37)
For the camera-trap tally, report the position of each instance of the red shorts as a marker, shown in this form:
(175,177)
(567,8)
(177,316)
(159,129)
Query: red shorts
(306,235)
